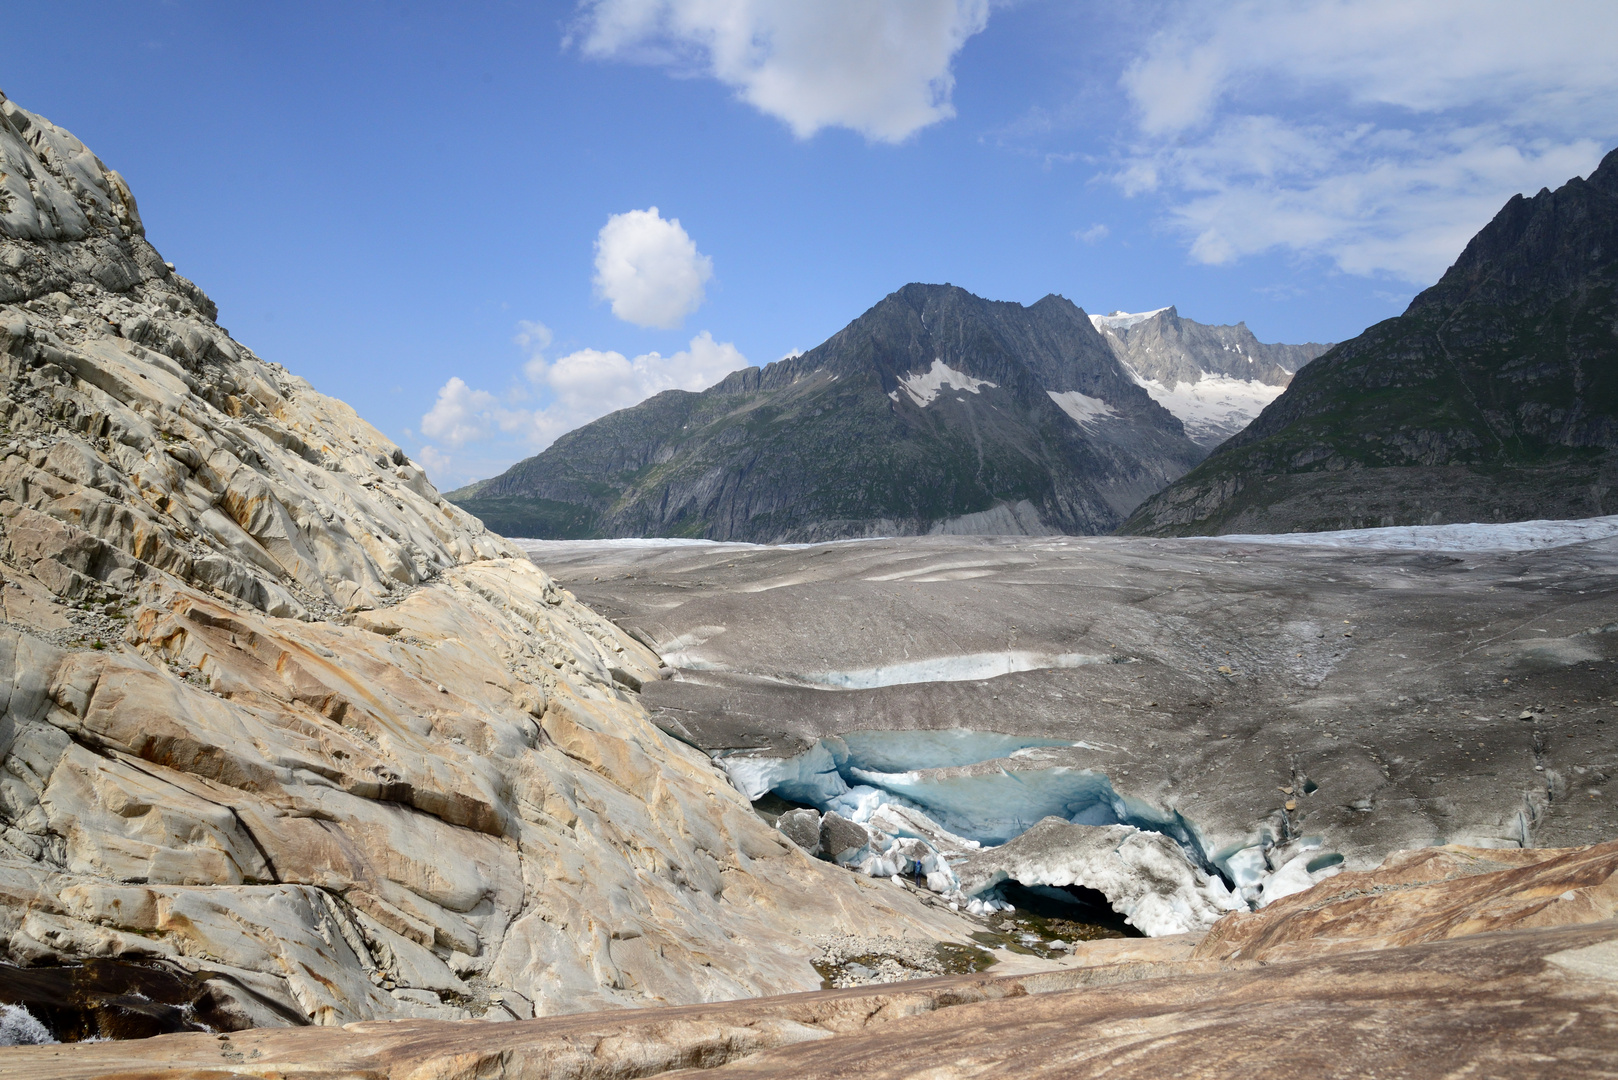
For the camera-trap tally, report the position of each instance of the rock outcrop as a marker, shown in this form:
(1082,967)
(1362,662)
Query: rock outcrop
(1521,979)
(935,411)
(287,737)
(1494,397)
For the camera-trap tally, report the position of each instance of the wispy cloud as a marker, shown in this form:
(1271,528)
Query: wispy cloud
(1377,134)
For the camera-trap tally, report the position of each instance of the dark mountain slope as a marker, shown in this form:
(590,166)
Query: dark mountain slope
(936,410)
(1494,397)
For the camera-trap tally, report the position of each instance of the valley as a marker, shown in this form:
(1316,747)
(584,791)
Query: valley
(307,771)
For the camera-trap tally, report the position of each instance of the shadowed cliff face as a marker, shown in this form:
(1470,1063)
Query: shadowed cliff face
(935,411)
(285,737)
(1494,397)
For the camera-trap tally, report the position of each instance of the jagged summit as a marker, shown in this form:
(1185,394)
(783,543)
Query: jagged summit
(934,411)
(1122,320)
(1216,379)
(1494,397)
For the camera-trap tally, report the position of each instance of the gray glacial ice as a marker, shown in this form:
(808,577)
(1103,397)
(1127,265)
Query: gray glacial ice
(1291,704)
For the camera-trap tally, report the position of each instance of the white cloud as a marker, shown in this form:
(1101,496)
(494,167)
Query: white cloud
(591,383)
(1093,235)
(650,269)
(533,336)
(879,67)
(1379,134)
(460,415)
(574,389)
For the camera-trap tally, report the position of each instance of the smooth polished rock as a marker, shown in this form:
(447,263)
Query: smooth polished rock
(1458,997)
(286,728)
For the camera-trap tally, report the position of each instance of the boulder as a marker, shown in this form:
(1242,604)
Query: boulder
(802,827)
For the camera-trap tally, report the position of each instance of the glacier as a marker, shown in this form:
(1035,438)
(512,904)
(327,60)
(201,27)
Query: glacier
(899,802)
(1536,535)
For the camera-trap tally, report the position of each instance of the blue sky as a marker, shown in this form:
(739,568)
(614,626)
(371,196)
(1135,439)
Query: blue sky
(443,213)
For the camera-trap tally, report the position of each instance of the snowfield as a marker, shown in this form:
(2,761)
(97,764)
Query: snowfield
(1122,320)
(1084,410)
(1213,408)
(924,388)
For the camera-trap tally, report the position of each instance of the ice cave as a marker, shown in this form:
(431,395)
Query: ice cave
(935,806)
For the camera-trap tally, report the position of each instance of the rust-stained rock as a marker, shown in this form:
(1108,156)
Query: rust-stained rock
(1424,895)
(1461,997)
(1534,1003)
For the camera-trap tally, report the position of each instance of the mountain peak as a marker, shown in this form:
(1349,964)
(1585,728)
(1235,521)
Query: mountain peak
(1216,379)
(934,410)
(1494,397)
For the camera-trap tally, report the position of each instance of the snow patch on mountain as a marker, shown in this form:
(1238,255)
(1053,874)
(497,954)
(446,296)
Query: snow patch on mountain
(925,387)
(1213,408)
(1122,320)
(1084,410)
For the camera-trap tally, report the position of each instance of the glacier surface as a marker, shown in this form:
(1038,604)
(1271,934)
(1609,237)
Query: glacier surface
(968,668)
(1513,536)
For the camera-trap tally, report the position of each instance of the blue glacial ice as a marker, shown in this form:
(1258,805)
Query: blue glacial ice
(856,773)
(909,788)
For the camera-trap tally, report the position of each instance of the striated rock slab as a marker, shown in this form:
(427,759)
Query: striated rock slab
(286,738)
(1524,1001)
(1431,894)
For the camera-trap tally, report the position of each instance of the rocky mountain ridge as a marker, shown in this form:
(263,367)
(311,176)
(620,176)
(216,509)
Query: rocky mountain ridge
(1216,379)
(935,411)
(288,738)
(1494,397)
